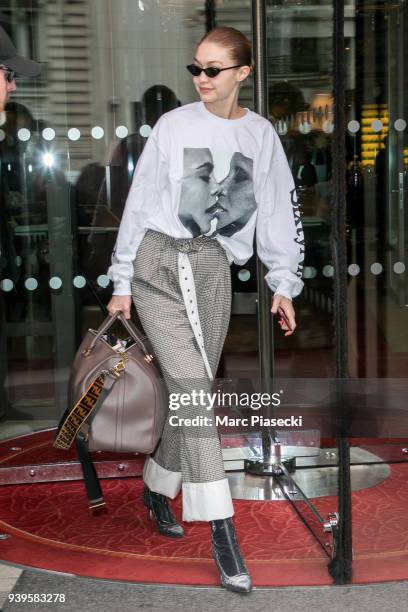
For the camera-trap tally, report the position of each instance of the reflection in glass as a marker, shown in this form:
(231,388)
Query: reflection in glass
(68,149)
(300,83)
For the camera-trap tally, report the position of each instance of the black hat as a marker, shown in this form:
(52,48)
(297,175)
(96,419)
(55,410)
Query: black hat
(9,58)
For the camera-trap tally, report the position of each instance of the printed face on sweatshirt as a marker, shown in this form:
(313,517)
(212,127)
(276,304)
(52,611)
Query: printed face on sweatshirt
(210,206)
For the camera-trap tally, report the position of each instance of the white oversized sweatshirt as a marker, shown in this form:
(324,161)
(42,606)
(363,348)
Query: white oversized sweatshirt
(202,174)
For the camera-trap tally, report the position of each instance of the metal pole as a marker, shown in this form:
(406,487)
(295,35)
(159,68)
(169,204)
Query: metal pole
(340,568)
(265,328)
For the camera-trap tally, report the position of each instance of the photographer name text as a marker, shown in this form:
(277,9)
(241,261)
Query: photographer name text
(254,419)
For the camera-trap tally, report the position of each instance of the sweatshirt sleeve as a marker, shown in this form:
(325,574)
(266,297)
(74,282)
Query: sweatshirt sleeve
(141,203)
(279,231)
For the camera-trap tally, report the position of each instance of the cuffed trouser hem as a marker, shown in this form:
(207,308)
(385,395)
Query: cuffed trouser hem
(160,480)
(207,501)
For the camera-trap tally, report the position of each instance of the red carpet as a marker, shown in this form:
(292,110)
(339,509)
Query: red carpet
(52,529)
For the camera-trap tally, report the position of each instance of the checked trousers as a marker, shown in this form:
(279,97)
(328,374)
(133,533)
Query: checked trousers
(184,307)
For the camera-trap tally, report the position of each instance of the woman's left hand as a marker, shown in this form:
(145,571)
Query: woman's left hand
(284,308)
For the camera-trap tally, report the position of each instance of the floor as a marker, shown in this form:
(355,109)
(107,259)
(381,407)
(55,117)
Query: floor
(97,595)
(17,583)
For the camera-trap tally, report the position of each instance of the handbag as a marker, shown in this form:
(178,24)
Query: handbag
(118,400)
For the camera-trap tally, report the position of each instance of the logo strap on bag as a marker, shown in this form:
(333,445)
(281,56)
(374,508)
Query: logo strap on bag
(91,399)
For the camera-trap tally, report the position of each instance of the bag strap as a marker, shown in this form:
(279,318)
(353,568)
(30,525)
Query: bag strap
(93,397)
(96,502)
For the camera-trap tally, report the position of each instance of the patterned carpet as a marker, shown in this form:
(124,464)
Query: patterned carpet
(50,527)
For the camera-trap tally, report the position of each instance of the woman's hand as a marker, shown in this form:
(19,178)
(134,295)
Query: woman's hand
(120,302)
(284,307)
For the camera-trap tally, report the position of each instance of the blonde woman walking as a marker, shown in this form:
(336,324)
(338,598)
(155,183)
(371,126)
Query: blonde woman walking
(211,172)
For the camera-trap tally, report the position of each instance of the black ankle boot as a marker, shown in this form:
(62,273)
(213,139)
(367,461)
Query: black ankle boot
(158,507)
(228,557)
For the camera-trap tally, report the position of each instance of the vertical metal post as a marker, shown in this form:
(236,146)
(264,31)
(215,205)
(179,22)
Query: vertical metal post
(210,15)
(340,568)
(4,255)
(62,300)
(265,328)
(396,222)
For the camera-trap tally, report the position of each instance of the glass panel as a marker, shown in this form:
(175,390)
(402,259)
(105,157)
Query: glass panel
(377,115)
(300,83)
(68,148)
(300,98)
(375,54)
(240,354)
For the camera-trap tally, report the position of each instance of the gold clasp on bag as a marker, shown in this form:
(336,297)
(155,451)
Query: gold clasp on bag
(118,368)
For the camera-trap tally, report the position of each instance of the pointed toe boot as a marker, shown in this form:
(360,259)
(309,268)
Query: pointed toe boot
(159,509)
(228,557)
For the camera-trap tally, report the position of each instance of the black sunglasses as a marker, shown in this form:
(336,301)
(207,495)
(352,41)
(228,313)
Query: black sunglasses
(10,74)
(211,72)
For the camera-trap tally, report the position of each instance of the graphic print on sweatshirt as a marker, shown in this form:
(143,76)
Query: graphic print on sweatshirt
(217,193)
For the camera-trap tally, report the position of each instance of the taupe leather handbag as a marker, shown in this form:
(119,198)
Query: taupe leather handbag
(118,399)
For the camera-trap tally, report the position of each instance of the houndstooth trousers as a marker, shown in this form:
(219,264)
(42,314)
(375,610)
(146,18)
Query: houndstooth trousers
(181,289)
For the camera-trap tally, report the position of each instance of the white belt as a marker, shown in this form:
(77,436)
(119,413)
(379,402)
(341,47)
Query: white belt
(187,286)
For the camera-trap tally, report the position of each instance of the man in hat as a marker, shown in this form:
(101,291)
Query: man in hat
(11,64)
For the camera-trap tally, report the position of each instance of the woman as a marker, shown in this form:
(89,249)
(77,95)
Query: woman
(210,173)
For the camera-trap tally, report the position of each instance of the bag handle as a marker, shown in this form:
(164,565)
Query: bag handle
(130,327)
